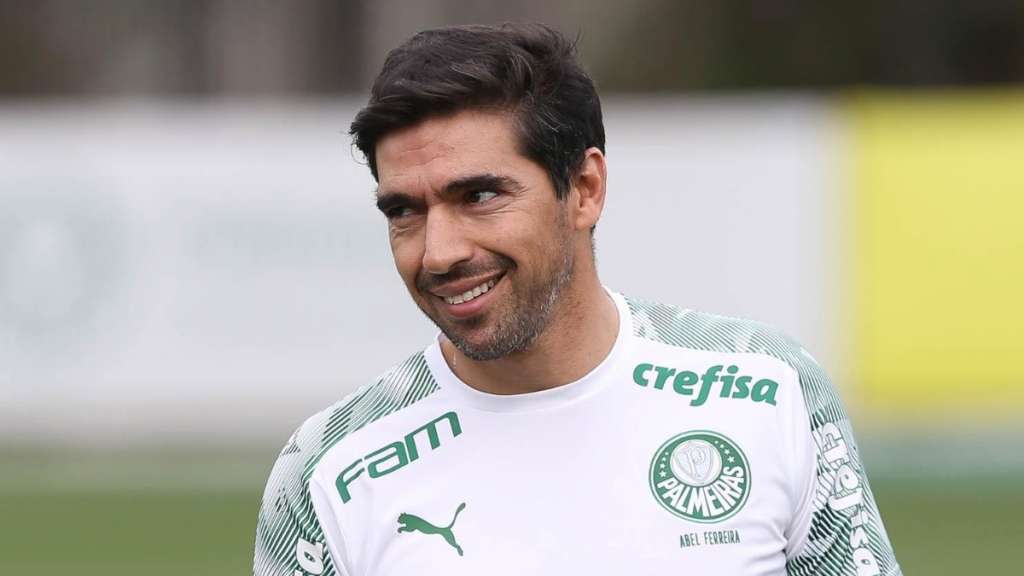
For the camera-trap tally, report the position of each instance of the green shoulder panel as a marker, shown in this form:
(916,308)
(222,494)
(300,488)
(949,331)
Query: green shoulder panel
(847,537)
(289,538)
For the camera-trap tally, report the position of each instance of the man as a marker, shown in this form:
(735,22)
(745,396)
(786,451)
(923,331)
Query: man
(554,426)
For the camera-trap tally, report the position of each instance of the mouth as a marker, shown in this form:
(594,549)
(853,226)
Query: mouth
(472,294)
(472,300)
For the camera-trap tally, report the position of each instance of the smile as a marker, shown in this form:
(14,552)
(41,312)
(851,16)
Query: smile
(470,295)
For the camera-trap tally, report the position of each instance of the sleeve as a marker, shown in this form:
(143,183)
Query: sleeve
(289,538)
(837,531)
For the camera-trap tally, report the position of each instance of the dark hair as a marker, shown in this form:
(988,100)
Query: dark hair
(528,69)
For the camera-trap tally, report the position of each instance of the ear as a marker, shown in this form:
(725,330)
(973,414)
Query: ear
(588,190)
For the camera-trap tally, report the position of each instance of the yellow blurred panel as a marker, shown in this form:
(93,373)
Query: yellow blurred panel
(938,212)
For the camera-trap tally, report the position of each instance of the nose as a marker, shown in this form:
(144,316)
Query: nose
(445,242)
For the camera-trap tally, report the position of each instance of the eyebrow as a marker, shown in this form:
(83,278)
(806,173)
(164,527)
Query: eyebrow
(389,200)
(487,181)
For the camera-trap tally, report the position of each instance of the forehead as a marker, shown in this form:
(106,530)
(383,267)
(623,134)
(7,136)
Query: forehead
(445,148)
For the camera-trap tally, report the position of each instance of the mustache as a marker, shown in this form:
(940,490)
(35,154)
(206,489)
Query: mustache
(425,281)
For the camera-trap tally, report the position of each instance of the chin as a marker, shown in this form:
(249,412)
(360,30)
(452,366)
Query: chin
(476,346)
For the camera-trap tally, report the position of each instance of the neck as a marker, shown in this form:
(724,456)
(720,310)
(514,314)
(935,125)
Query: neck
(558,356)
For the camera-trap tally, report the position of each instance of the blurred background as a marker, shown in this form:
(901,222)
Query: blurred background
(190,263)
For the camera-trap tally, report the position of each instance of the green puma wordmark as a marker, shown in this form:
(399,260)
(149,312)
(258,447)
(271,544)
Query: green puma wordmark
(413,523)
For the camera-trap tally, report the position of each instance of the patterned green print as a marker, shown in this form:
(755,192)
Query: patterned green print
(412,523)
(700,476)
(289,538)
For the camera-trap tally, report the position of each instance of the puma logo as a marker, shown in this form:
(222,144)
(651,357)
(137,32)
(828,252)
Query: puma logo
(412,523)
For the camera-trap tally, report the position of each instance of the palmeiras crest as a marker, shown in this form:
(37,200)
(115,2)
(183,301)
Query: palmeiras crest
(701,476)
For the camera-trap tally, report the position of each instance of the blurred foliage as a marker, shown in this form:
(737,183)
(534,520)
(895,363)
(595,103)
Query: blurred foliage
(693,44)
(106,47)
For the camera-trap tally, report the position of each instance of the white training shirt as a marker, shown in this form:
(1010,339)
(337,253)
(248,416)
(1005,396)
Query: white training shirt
(699,445)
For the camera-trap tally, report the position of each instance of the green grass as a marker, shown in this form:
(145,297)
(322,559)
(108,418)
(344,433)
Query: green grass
(152,533)
(100,513)
(81,526)
(954,526)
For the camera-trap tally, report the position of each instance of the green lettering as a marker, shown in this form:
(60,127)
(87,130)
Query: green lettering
(395,455)
(640,373)
(663,374)
(394,451)
(684,382)
(343,480)
(709,378)
(764,391)
(727,381)
(431,429)
(742,390)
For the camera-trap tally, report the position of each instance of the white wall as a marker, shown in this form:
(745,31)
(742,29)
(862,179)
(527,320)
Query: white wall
(172,273)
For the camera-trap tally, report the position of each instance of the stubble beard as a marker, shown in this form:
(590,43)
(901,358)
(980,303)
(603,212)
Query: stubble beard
(517,326)
(526,319)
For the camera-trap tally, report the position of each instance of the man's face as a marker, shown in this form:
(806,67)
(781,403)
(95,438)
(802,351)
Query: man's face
(478,237)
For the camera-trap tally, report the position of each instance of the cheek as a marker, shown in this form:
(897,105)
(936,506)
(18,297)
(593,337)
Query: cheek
(531,253)
(407,259)
(537,237)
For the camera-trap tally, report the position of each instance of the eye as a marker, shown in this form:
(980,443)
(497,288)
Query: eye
(480,196)
(398,212)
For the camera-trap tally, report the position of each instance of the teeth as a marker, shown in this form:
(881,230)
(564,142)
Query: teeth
(470,294)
